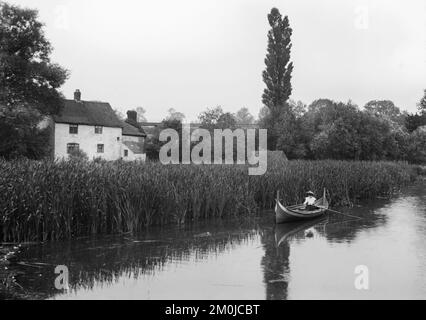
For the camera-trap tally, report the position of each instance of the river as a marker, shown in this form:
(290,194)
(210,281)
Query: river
(249,259)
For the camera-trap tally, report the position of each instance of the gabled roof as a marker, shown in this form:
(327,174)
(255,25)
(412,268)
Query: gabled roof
(135,147)
(131,130)
(88,113)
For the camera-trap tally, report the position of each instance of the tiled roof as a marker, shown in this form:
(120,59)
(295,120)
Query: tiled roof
(130,130)
(88,113)
(135,147)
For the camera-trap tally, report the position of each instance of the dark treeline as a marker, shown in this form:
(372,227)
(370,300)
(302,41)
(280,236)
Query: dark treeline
(334,130)
(328,130)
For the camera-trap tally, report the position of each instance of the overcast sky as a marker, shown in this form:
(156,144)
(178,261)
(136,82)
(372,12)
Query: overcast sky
(194,54)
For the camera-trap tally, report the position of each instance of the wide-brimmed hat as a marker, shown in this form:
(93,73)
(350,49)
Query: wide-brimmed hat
(310,193)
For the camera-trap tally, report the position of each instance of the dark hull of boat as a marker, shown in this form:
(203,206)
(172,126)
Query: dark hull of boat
(285,231)
(297,213)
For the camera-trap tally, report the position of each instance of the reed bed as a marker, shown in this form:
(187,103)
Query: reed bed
(47,200)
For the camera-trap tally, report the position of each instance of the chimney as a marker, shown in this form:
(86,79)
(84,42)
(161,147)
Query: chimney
(77,95)
(132,116)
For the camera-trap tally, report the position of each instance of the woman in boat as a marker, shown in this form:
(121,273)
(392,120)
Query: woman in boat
(310,201)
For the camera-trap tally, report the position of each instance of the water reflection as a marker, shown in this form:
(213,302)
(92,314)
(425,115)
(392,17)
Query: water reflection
(105,261)
(250,259)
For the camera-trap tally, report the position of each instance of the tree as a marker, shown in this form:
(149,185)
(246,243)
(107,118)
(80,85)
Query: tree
(414,121)
(29,83)
(141,114)
(175,115)
(422,104)
(263,114)
(243,116)
(385,109)
(298,108)
(334,130)
(226,121)
(119,115)
(153,143)
(216,118)
(417,146)
(210,116)
(277,75)
(21,134)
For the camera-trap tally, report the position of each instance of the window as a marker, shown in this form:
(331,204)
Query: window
(100,148)
(73,129)
(99,130)
(126,153)
(72,147)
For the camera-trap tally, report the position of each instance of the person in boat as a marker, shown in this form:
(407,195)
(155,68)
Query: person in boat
(310,201)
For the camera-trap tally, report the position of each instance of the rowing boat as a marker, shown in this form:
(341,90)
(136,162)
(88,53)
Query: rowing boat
(298,212)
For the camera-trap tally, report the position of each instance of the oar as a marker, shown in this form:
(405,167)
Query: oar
(345,214)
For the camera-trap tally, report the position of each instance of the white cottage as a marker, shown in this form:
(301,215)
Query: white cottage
(94,128)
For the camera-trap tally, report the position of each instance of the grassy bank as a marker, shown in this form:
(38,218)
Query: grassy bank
(48,201)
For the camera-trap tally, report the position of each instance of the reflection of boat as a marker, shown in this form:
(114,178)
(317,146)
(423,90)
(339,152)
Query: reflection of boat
(298,212)
(284,231)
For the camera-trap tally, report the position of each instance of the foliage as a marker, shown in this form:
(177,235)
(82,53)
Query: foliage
(243,116)
(119,115)
(336,130)
(416,149)
(29,82)
(277,75)
(422,105)
(141,114)
(384,108)
(175,115)
(414,121)
(216,118)
(277,78)
(153,143)
(21,134)
(80,155)
(45,200)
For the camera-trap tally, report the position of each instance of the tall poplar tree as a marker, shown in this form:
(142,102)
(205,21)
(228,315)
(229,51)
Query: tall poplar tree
(277,77)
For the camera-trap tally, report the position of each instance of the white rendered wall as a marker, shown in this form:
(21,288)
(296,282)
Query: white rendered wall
(132,156)
(88,141)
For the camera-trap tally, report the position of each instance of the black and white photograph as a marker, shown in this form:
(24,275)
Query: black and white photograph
(197,151)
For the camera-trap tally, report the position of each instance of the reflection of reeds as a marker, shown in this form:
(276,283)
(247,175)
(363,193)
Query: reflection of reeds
(63,200)
(102,263)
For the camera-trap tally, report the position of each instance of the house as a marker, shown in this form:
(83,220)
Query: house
(93,127)
(133,138)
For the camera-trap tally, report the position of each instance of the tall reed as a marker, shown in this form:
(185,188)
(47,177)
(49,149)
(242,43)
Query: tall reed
(45,200)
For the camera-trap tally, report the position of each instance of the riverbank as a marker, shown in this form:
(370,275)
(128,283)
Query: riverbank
(42,201)
(8,256)
(10,269)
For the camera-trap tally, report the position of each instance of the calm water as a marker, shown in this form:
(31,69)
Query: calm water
(248,260)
